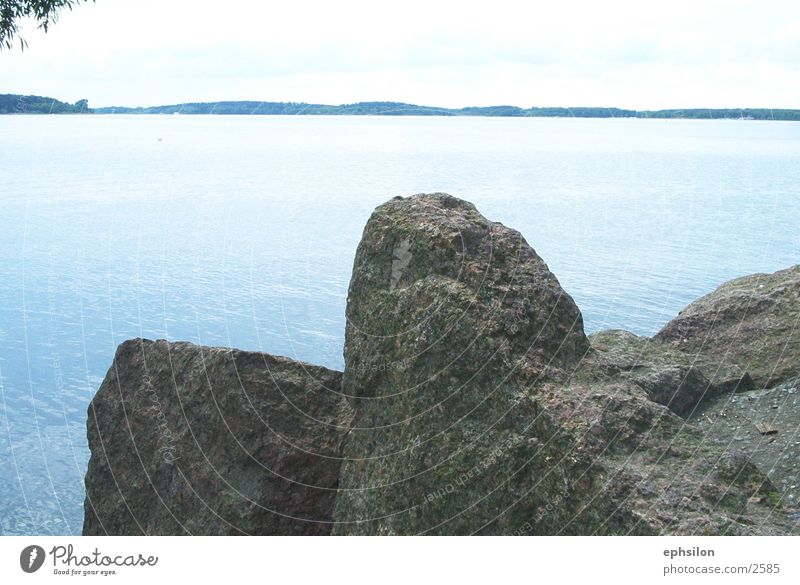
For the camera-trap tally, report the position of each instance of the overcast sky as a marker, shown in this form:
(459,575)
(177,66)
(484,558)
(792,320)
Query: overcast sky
(633,54)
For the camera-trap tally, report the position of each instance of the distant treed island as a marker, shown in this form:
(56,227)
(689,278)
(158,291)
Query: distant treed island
(30,104)
(33,104)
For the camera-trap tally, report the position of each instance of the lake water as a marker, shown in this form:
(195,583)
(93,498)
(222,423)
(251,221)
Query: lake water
(240,231)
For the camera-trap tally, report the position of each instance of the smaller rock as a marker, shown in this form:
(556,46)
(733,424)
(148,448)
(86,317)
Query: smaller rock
(744,334)
(667,376)
(200,440)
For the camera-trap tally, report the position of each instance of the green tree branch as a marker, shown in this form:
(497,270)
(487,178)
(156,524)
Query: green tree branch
(45,12)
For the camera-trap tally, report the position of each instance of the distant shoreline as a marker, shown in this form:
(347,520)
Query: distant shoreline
(11,104)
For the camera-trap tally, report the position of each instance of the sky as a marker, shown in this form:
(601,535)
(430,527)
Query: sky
(630,54)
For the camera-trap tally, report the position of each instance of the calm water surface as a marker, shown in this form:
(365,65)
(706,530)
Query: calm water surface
(240,231)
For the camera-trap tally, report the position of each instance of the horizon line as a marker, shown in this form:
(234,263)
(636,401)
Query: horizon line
(451,108)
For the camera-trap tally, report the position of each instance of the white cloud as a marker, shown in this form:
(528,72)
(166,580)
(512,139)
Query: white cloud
(623,53)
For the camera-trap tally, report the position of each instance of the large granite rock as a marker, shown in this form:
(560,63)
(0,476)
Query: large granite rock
(471,403)
(198,440)
(481,408)
(745,334)
(451,321)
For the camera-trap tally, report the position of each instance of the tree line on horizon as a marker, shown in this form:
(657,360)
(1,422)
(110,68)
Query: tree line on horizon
(33,104)
(20,104)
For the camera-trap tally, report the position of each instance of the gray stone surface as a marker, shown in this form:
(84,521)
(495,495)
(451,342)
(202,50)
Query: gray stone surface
(747,328)
(764,424)
(471,403)
(198,440)
(451,320)
(481,408)
(668,376)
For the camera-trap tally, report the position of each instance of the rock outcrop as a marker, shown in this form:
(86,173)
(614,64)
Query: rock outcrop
(471,402)
(198,440)
(765,425)
(666,375)
(480,408)
(452,320)
(745,334)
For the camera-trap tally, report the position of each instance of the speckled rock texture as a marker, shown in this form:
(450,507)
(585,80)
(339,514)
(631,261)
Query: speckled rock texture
(471,402)
(197,440)
(482,409)
(764,424)
(747,328)
(668,376)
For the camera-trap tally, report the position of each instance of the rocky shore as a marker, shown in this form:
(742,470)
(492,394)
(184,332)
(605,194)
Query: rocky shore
(199,440)
(471,402)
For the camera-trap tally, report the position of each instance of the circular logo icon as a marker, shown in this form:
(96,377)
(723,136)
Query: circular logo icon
(31,558)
